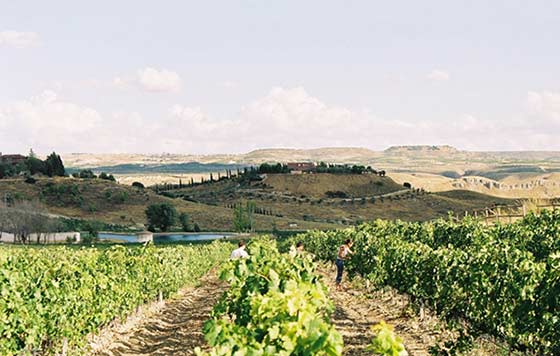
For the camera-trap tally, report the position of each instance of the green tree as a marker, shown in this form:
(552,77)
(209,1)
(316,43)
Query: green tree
(243,217)
(250,211)
(54,165)
(184,221)
(161,216)
(5,170)
(35,165)
(92,229)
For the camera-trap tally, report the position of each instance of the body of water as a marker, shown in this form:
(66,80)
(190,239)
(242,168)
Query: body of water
(166,237)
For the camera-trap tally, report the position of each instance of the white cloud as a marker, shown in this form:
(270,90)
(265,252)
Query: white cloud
(228,84)
(285,117)
(438,75)
(161,80)
(149,79)
(18,39)
(118,82)
(545,104)
(46,122)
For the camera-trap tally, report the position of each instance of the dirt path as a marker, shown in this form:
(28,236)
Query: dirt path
(175,329)
(357,309)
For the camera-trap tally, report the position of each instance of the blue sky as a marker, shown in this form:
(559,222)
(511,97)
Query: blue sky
(217,76)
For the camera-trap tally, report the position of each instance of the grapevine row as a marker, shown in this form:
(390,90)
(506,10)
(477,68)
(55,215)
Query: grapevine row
(504,280)
(53,294)
(276,305)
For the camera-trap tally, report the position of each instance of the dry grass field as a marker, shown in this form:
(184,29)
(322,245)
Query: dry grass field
(303,197)
(316,185)
(162,178)
(110,202)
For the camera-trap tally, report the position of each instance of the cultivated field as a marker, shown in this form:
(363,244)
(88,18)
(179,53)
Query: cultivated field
(447,287)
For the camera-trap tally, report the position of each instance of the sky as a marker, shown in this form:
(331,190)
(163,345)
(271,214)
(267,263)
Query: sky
(203,77)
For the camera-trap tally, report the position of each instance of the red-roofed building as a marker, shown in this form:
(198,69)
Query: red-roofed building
(302,167)
(12,159)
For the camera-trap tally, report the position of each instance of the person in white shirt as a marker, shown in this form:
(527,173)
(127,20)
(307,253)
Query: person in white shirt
(239,252)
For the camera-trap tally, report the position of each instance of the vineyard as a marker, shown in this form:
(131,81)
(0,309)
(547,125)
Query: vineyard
(504,280)
(276,305)
(52,296)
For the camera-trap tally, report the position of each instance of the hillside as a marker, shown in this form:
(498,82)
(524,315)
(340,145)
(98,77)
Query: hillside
(517,186)
(358,198)
(317,185)
(439,158)
(124,205)
(421,149)
(434,168)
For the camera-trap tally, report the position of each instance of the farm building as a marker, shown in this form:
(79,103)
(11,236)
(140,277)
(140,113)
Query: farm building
(12,159)
(302,167)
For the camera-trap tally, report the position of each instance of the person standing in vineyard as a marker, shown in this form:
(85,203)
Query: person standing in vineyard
(298,250)
(239,252)
(343,252)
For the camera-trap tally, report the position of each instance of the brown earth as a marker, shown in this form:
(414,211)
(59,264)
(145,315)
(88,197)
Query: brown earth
(357,310)
(359,306)
(175,329)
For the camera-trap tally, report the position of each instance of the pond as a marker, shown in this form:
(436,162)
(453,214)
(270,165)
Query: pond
(167,237)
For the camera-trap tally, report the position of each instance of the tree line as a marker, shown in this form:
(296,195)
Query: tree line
(88,174)
(52,166)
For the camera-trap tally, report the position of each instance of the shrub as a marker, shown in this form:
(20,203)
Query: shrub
(184,221)
(336,194)
(138,185)
(87,174)
(106,176)
(161,216)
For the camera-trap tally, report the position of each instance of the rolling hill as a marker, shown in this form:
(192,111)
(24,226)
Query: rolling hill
(340,199)
(96,199)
